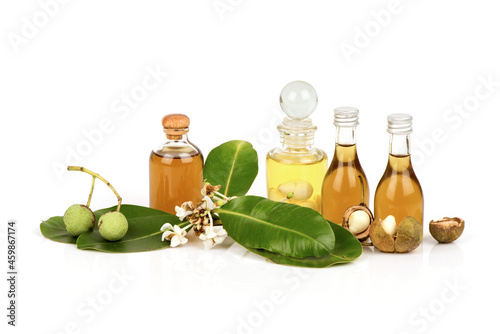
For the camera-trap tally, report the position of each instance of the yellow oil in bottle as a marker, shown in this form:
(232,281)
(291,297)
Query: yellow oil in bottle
(295,170)
(341,185)
(175,178)
(303,177)
(399,193)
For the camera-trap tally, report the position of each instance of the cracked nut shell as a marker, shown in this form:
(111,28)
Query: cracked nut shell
(447,229)
(380,239)
(408,236)
(363,235)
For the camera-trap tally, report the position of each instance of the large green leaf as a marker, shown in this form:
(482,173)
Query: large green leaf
(232,165)
(285,229)
(347,248)
(53,229)
(143,231)
(133,211)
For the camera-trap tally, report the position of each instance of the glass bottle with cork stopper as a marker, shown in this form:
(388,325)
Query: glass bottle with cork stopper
(295,170)
(345,182)
(175,167)
(399,192)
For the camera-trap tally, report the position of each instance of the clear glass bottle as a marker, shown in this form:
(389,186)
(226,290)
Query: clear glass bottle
(296,168)
(399,192)
(175,167)
(341,185)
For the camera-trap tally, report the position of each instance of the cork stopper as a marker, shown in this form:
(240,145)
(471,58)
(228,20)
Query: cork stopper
(175,125)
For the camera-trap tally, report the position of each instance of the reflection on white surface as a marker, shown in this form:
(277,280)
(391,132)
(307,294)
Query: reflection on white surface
(98,278)
(418,292)
(446,256)
(396,275)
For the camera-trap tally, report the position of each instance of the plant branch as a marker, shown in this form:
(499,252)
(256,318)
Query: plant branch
(95,175)
(91,191)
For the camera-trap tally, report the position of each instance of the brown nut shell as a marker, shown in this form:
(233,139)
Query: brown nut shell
(409,235)
(447,229)
(380,239)
(362,236)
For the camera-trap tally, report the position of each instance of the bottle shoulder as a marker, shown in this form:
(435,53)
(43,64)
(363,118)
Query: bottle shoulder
(399,169)
(177,149)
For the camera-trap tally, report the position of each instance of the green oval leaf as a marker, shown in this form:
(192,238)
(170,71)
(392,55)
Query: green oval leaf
(53,229)
(232,165)
(143,235)
(133,211)
(347,248)
(285,229)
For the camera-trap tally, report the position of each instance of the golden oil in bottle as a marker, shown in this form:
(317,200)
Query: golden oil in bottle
(302,178)
(296,169)
(175,168)
(341,186)
(399,192)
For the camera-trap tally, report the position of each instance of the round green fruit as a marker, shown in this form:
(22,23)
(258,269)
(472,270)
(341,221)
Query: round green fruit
(78,218)
(113,225)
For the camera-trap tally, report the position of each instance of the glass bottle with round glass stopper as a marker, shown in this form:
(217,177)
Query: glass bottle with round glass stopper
(399,192)
(295,170)
(175,167)
(342,186)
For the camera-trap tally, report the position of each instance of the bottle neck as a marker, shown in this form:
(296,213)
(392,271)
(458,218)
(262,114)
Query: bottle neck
(399,144)
(346,136)
(297,135)
(174,134)
(345,144)
(177,138)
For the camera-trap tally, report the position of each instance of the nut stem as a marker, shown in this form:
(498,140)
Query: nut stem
(91,191)
(95,175)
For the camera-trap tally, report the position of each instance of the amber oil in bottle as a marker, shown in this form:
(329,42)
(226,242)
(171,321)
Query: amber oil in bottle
(341,185)
(175,167)
(399,192)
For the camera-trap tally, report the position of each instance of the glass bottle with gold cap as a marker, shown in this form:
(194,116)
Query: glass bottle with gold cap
(399,192)
(295,170)
(175,167)
(345,182)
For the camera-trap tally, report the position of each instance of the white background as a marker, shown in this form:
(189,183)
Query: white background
(226,67)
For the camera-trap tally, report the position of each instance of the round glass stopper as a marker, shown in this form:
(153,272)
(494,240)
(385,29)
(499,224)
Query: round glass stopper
(298,99)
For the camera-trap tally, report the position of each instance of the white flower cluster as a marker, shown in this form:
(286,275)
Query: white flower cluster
(199,218)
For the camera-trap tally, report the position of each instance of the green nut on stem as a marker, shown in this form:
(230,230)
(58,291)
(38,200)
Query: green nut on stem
(78,218)
(112,225)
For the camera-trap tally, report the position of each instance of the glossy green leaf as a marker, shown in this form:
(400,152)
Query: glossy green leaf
(232,165)
(133,211)
(143,231)
(53,229)
(281,228)
(347,248)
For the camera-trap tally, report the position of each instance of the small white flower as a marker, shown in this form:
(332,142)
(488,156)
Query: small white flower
(175,234)
(184,210)
(209,190)
(211,238)
(207,203)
